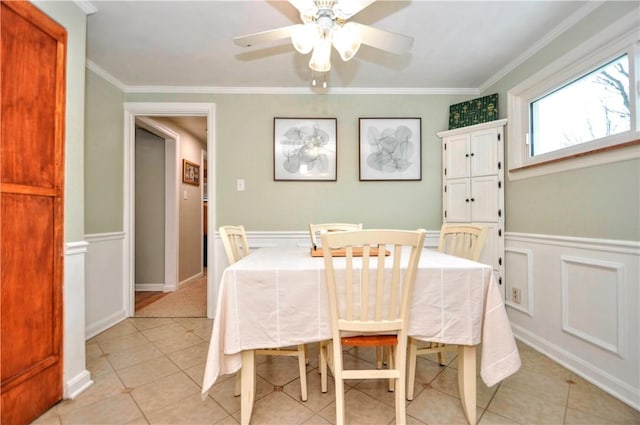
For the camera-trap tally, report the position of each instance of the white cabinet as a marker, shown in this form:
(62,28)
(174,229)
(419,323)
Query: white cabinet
(473,184)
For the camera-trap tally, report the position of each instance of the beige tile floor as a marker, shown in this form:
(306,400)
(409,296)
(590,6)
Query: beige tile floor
(149,371)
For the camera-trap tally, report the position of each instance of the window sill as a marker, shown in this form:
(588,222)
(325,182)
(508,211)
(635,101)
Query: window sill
(605,155)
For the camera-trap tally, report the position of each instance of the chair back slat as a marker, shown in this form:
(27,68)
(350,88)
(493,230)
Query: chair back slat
(462,240)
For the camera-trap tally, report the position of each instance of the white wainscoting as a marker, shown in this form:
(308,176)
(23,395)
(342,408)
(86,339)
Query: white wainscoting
(76,376)
(585,313)
(105,288)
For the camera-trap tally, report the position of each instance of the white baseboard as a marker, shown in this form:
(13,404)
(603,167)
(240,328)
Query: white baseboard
(585,370)
(150,287)
(76,385)
(104,324)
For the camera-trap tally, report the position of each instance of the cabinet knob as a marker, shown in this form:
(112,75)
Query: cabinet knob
(466,200)
(473,199)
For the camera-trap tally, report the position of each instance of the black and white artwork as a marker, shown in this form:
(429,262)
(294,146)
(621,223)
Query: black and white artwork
(305,149)
(390,149)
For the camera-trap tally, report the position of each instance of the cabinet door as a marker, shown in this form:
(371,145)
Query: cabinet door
(457,201)
(483,152)
(484,198)
(456,156)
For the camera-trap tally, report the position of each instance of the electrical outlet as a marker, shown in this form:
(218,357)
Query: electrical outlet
(515,295)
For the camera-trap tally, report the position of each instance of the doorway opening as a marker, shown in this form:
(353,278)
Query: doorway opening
(147,113)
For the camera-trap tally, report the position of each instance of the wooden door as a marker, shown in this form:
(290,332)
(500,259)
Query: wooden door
(33,50)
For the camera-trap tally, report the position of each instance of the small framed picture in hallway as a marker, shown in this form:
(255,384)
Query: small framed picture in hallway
(190,172)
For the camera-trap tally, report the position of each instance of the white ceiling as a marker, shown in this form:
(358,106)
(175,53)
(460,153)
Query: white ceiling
(459,47)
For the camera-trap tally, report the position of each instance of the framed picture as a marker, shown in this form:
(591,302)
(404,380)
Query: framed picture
(190,173)
(390,149)
(305,149)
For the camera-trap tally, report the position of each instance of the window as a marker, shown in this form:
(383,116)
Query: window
(588,108)
(580,110)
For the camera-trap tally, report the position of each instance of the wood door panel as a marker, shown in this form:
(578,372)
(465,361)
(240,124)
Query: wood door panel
(28,102)
(32,82)
(28,282)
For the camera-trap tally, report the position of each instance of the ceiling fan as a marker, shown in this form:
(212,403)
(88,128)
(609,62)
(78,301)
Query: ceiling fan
(324,23)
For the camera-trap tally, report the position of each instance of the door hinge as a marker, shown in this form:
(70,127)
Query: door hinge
(500,281)
(445,213)
(445,146)
(445,188)
(500,213)
(499,165)
(500,261)
(499,185)
(498,137)
(499,232)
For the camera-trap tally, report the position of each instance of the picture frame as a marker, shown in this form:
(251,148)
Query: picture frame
(190,172)
(305,149)
(390,149)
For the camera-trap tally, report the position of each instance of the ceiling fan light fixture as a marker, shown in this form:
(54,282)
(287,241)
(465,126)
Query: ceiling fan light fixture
(321,57)
(347,40)
(304,37)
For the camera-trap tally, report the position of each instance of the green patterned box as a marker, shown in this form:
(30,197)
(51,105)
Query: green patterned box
(474,111)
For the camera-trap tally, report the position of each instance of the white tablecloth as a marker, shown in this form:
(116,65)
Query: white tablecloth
(276,297)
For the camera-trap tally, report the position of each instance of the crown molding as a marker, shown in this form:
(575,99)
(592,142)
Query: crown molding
(87,7)
(565,25)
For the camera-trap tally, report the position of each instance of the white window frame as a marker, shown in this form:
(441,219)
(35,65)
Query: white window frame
(619,38)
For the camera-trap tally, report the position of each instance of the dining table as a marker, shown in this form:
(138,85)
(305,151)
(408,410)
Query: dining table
(277,297)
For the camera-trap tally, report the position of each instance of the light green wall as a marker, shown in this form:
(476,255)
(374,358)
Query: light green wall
(104,157)
(73,19)
(244,149)
(594,202)
(561,204)
(149,217)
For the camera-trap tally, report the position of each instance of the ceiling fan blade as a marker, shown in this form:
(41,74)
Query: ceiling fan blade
(305,7)
(264,36)
(344,9)
(385,40)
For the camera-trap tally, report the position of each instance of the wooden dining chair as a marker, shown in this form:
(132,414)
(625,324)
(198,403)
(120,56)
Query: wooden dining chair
(316,229)
(368,299)
(234,240)
(462,240)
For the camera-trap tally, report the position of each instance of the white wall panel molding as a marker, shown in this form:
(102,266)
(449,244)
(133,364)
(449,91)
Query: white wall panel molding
(105,292)
(519,275)
(585,313)
(592,290)
(76,376)
(608,245)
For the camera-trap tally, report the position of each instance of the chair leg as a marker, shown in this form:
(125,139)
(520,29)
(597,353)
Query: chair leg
(302,365)
(391,353)
(379,357)
(236,390)
(337,368)
(401,413)
(323,367)
(411,367)
(440,359)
